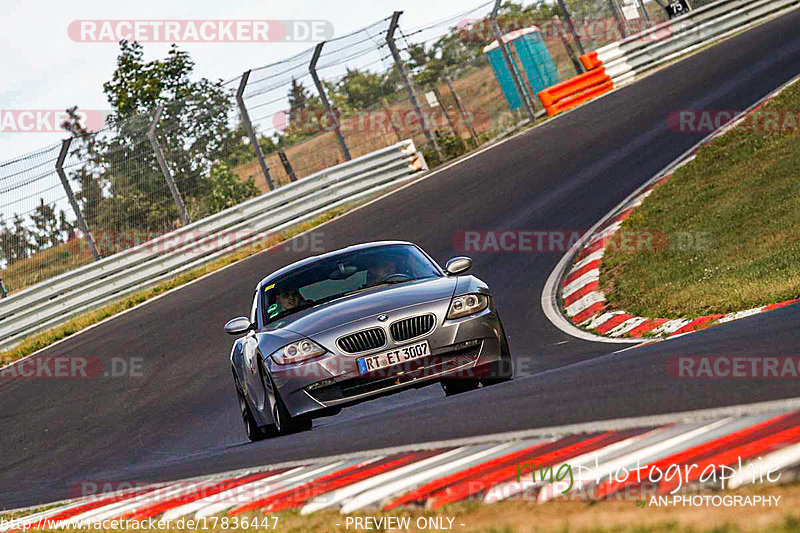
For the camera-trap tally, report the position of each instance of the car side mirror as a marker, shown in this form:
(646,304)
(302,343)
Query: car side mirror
(458,265)
(238,325)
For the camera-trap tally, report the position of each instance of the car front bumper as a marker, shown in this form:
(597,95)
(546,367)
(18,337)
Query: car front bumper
(459,349)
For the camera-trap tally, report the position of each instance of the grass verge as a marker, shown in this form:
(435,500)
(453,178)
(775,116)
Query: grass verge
(42,340)
(726,226)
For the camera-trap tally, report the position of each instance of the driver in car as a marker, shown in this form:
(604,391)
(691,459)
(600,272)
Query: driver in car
(383,268)
(288,298)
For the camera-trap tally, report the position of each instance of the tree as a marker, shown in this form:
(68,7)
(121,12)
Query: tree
(49,229)
(305,117)
(463,46)
(227,190)
(15,241)
(298,98)
(193,129)
(359,90)
(121,184)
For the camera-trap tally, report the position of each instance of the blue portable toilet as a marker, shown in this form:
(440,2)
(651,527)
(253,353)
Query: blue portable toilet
(501,72)
(529,49)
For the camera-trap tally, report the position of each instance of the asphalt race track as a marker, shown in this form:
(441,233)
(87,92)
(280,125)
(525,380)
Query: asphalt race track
(181,418)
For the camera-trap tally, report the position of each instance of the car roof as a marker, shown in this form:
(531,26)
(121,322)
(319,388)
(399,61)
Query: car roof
(315,258)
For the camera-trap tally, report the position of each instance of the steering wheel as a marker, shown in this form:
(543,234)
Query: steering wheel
(398,276)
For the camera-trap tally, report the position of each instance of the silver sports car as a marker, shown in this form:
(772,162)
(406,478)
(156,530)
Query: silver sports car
(361,322)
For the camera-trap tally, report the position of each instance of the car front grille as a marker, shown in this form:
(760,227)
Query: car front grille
(408,328)
(362,341)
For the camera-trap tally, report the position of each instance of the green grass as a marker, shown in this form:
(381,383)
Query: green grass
(45,265)
(741,198)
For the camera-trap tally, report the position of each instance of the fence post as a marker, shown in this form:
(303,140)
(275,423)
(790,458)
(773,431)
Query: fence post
(398,61)
(245,118)
(62,156)
(570,52)
(3,290)
(644,13)
(498,35)
(439,99)
(464,116)
(312,69)
(162,163)
(287,166)
(571,26)
(389,118)
(623,25)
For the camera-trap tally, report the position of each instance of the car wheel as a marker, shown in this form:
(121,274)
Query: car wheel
(457,386)
(254,431)
(285,423)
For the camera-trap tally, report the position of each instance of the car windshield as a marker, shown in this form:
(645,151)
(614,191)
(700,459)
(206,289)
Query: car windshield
(342,275)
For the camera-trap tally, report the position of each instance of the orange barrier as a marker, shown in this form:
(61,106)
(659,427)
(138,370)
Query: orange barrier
(577,99)
(575,91)
(590,61)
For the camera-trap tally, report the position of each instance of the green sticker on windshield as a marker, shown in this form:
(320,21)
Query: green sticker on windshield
(272,310)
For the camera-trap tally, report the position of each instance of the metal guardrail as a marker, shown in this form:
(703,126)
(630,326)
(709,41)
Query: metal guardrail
(52,302)
(651,48)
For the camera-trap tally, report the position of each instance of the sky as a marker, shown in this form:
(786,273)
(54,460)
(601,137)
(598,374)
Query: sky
(47,70)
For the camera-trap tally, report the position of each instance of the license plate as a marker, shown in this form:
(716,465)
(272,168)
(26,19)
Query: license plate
(393,357)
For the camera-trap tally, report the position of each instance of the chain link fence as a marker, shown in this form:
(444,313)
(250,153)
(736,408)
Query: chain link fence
(160,164)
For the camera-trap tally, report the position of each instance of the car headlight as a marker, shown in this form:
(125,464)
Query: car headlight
(467,305)
(297,351)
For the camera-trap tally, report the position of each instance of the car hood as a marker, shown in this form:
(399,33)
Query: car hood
(366,304)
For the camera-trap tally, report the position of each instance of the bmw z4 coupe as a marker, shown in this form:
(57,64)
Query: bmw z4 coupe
(354,324)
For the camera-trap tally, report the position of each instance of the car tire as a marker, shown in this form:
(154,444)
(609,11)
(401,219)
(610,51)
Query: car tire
(254,432)
(285,423)
(452,387)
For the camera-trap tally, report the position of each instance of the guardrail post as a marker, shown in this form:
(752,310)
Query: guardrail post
(3,291)
(398,61)
(464,116)
(287,166)
(312,69)
(251,134)
(62,156)
(162,163)
(498,35)
(571,27)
